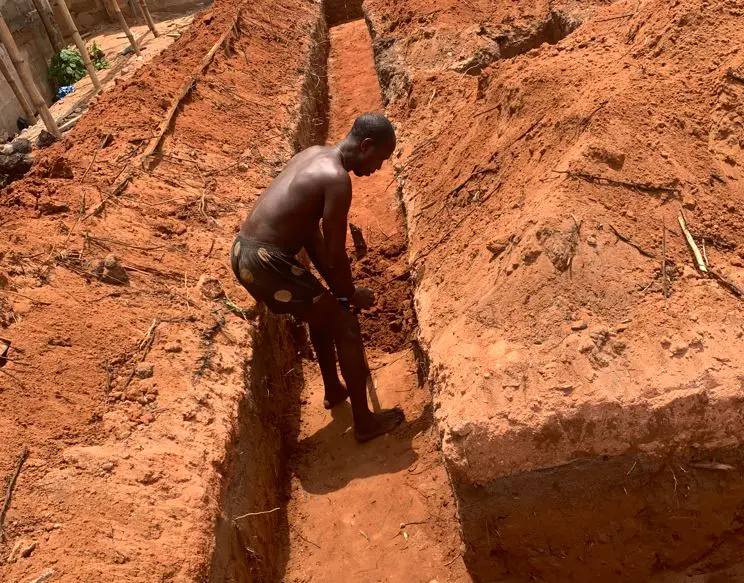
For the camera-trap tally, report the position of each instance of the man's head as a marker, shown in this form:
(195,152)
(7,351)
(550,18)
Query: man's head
(372,140)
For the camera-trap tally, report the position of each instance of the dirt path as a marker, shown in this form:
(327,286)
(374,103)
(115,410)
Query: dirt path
(349,502)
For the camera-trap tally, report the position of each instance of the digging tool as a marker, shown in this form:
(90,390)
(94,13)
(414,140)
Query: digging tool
(371,389)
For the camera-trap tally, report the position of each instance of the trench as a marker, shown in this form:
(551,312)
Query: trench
(317,506)
(344,511)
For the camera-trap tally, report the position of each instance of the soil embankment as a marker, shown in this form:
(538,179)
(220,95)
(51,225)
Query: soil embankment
(588,391)
(142,379)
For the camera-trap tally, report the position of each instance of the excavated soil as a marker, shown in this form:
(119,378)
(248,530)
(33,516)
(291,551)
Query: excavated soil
(587,379)
(531,272)
(154,411)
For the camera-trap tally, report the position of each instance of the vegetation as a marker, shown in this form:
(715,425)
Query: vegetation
(67,66)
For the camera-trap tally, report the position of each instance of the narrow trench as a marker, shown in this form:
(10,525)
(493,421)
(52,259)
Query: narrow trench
(348,501)
(344,511)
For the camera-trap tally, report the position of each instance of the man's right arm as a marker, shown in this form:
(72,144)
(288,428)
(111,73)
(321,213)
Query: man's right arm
(335,216)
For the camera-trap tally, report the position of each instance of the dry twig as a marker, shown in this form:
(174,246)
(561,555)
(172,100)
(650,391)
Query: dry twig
(642,186)
(628,15)
(691,243)
(663,262)
(105,141)
(11,486)
(257,513)
(632,243)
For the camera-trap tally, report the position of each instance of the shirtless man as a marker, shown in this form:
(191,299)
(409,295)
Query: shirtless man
(315,186)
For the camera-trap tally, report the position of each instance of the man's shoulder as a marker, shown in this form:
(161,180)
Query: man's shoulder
(324,167)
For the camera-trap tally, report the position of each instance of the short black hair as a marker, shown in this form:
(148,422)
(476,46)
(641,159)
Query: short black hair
(374,126)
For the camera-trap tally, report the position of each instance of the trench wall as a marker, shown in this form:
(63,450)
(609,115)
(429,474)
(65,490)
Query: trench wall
(557,479)
(256,548)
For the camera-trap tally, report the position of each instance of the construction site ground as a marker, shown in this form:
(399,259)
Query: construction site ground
(568,358)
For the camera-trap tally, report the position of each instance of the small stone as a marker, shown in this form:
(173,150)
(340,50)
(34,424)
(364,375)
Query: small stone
(148,477)
(679,349)
(243,166)
(666,342)
(689,202)
(591,240)
(28,549)
(587,345)
(462,430)
(210,287)
(148,418)
(116,395)
(664,155)
(57,526)
(173,347)
(152,391)
(487,375)
(6,149)
(21,145)
(144,370)
(112,272)
(142,400)
(580,325)
(15,552)
(108,466)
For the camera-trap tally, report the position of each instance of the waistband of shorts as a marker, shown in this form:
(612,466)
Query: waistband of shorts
(270,247)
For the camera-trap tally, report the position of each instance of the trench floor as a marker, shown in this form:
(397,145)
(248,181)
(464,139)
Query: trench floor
(382,511)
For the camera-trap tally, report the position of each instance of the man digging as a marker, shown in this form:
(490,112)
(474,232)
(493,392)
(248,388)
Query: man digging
(316,185)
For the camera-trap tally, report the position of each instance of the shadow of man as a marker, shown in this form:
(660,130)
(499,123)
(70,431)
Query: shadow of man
(333,458)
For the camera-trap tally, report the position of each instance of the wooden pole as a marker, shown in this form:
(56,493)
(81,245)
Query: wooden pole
(24,73)
(55,38)
(148,17)
(20,95)
(79,43)
(124,26)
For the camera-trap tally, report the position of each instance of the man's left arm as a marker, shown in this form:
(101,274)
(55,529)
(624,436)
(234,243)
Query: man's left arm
(316,249)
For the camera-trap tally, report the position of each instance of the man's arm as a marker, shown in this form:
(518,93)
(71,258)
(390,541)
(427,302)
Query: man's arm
(335,216)
(315,248)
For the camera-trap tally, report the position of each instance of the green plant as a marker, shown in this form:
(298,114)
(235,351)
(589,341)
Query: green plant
(66,68)
(98,57)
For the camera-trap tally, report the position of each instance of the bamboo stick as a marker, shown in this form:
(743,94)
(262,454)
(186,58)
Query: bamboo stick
(18,91)
(79,43)
(148,17)
(691,243)
(24,73)
(124,26)
(55,38)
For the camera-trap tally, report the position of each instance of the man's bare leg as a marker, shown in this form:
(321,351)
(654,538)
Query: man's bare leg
(367,425)
(335,391)
(327,312)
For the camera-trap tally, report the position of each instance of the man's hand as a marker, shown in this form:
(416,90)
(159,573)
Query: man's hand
(363,298)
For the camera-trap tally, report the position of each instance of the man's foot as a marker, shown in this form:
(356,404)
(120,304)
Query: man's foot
(335,396)
(378,424)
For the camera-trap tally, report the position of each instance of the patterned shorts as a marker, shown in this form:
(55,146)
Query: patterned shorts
(274,276)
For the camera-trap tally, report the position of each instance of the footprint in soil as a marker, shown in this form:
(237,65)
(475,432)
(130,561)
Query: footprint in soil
(333,458)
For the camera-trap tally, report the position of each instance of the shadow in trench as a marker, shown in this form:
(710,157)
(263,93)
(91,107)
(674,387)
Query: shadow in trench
(252,532)
(332,458)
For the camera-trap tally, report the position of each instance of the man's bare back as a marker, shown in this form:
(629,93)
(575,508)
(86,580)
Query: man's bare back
(288,212)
